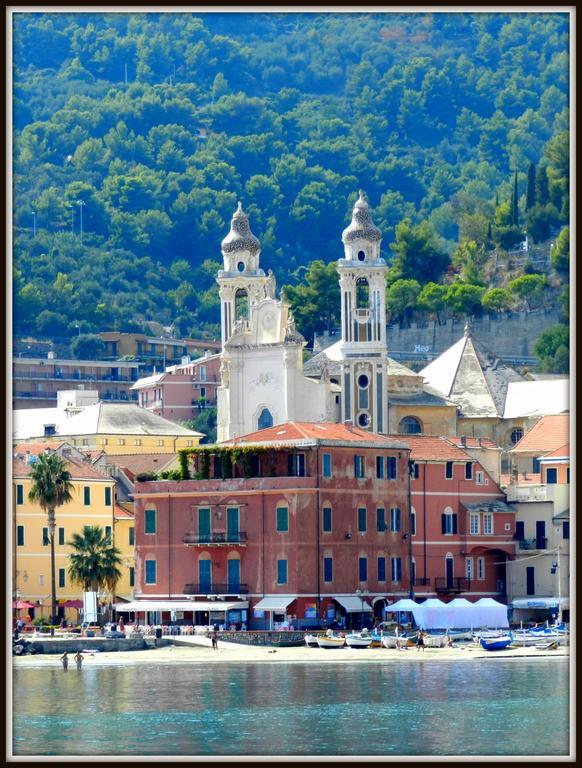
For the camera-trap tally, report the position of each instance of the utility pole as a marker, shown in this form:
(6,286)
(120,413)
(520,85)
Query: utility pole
(33,223)
(410,575)
(81,204)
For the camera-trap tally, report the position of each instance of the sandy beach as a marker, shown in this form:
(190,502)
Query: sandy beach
(196,652)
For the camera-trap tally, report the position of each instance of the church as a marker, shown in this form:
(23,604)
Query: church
(263,378)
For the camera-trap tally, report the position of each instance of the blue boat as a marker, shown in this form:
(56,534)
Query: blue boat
(496,643)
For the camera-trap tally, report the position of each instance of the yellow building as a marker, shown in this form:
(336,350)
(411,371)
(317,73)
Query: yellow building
(124,540)
(93,503)
(114,428)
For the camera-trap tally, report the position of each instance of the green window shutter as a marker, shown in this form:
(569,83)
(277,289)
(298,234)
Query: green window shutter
(61,536)
(87,496)
(282,571)
(20,494)
(150,571)
(20,535)
(61,577)
(282,519)
(107,496)
(132,536)
(327,519)
(150,521)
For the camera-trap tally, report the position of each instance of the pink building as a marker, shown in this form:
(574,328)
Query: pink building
(300,521)
(464,529)
(181,391)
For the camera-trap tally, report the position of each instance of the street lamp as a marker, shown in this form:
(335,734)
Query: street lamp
(33,223)
(81,204)
(362,594)
(78,327)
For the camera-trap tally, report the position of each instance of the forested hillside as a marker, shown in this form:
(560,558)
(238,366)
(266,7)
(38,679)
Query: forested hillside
(135,135)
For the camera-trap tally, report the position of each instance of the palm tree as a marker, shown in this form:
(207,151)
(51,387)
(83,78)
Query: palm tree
(51,488)
(95,561)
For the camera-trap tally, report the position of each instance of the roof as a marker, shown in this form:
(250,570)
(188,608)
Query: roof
(475,442)
(329,359)
(428,448)
(489,506)
(427,396)
(79,470)
(120,513)
(30,422)
(146,381)
(121,419)
(560,453)
(34,449)
(537,398)
(471,375)
(523,478)
(317,432)
(548,434)
(145,462)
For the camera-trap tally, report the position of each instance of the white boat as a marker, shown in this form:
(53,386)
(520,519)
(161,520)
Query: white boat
(435,640)
(460,634)
(329,640)
(526,638)
(311,640)
(394,641)
(359,640)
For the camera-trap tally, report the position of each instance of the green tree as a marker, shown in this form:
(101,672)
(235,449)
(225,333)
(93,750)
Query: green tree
(401,299)
(464,300)
(205,422)
(417,254)
(530,191)
(552,349)
(470,259)
(316,303)
(431,300)
(529,289)
(51,487)
(87,346)
(560,252)
(542,186)
(94,562)
(515,203)
(497,300)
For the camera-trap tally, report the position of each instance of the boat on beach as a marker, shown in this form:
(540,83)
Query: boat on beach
(496,643)
(329,640)
(311,640)
(361,639)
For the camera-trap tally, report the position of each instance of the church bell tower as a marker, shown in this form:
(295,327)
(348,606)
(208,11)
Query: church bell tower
(363,318)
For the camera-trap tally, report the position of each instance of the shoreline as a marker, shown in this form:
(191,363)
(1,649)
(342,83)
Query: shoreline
(233,653)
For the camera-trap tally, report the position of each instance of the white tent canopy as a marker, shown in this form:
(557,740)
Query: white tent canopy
(490,613)
(458,614)
(432,614)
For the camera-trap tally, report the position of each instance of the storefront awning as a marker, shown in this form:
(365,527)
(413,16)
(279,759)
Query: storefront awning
(274,603)
(541,602)
(180,605)
(353,604)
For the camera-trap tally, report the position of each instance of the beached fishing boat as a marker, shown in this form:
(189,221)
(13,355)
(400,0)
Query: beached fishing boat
(434,640)
(359,639)
(329,640)
(390,640)
(524,637)
(311,640)
(460,634)
(287,642)
(496,643)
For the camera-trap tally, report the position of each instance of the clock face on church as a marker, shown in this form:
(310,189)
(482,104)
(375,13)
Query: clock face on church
(268,321)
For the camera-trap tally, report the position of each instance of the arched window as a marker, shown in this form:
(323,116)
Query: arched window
(241,305)
(361,256)
(516,435)
(265,419)
(410,425)
(362,293)
(449,570)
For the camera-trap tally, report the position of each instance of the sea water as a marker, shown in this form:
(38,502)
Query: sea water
(492,707)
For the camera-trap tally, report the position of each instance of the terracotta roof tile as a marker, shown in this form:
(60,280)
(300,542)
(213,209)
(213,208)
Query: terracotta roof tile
(304,430)
(547,434)
(120,513)
(35,449)
(142,462)
(474,442)
(563,452)
(427,448)
(78,470)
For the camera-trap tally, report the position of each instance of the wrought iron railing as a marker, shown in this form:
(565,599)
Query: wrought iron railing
(448,585)
(216,589)
(216,537)
(537,542)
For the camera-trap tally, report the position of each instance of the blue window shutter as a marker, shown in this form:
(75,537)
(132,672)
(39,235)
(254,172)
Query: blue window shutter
(363,569)
(399,569)
(443,523)
(454,523)
(381,569)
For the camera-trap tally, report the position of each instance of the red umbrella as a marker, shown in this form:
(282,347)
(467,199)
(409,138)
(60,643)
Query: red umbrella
(72,604)
(22,604)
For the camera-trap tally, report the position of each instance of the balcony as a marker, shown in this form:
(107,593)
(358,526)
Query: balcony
(65,376)
(539,542)
(527,493)
(216,589)
(216,538)
(421,581)
(451,586)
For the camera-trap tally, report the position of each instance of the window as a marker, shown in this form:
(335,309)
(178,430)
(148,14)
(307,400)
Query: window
(107,496)
(327,464)
(381,519)
(108,532)
(362,520)
(381,569)
(296,465)
(551,475)
(327,519)
(281,571)
(41,580)
(449,470)
(121,441)
(282,519)
(530,580)
(61,577)
(102,441)
(480,568)
(413,522)
(488,523)
(359,466)
(61,536)
(131,576)
(391,467)
(480,477)
(380,467)
(363,569)
(410,425)
(150,521)
(20,535)
(448,523)
(516,435)
(137,441)
(469,568)
(568,475)
(395,519)
(204,524)
(536,465)
(202,370)
(150,571)
(416,470)
(45,537)
(20,494)
(469,470)
(474,524)
(566,529)
(87,496)
(160,443)
(396,563)
(131,536)
(328,569)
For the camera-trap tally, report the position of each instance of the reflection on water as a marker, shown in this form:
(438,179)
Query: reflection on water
(469,708)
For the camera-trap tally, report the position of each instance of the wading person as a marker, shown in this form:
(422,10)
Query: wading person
(65,660)
(215,640)
(79,660)
(420,640)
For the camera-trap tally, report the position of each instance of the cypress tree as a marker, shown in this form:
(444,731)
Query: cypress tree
(530,191)
(489,233)
(542,186)
(514,205)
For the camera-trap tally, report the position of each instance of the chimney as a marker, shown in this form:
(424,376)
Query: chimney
(349,425)
(207,353)
(50,355)
(463,441)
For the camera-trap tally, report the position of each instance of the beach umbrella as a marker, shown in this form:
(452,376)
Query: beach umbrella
(18,604)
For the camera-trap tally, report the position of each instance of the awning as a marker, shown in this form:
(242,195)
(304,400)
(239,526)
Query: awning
(565,515)
(541,602)
(180,605)
(71,603)
(274,603)
(353,604)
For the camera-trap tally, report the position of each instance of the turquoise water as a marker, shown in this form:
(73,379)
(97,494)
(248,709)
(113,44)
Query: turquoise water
(498,707)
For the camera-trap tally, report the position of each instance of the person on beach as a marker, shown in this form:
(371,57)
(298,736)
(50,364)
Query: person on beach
(215,640)
(420,640)
(79,660)
(65,660)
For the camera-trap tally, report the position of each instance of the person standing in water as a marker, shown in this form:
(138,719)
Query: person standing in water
(65,660)
(79,659)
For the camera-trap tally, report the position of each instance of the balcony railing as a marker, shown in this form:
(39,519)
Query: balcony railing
(21,375)
(453,585)
(216,537)
(216,589)
(423,581)
(539,542)
(527,493)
